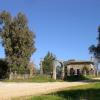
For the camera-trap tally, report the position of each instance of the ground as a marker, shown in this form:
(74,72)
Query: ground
(9,90)
(90,91)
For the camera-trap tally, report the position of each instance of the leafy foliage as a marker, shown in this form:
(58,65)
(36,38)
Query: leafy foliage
(17,40)
(47,63)
(92,49)
(96,49)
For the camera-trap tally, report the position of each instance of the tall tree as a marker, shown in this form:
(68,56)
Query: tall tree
(47,63)
(17,39)
(95,50)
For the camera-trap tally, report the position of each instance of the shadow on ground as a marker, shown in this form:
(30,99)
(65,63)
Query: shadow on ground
(86,92)
(80,94)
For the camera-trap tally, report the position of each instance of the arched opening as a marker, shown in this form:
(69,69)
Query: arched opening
(72,72)
(78,72)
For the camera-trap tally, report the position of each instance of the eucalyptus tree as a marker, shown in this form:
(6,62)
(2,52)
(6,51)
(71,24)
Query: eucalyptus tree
(17,39)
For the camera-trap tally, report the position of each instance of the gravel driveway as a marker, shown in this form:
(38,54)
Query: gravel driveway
(10,90)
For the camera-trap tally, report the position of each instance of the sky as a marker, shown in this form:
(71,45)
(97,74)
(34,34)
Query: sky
(67,28)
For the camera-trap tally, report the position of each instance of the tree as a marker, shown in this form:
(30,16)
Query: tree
(17,39)
(95,50)
(47,63)
(92,49)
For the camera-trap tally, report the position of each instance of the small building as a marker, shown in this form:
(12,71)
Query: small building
(73,67)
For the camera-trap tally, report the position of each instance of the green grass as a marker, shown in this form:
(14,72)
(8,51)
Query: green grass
(44,78)
(47,97)
(85,92)
(43,97)
(38,79)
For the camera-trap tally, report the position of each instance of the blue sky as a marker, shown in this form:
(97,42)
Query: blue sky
(65,27)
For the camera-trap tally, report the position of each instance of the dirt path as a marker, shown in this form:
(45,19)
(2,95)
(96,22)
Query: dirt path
(9,90)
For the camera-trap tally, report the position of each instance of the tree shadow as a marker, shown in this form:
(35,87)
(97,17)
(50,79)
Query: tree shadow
(80,94)
(91,80)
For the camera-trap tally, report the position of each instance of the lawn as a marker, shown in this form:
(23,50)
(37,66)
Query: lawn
(85,92)
(47,78)
(37,78)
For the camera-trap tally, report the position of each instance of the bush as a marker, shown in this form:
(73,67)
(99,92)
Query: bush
(76,78)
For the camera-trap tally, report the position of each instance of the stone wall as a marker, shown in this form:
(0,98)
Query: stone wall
(13,76)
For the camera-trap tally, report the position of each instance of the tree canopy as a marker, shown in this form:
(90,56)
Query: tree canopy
(17,39)
(95,50)
(47,63)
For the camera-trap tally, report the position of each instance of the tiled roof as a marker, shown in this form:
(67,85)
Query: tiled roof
(78,62)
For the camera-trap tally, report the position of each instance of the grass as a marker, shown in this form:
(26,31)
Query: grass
(38,79)
(85,92)
(43,97)
(44,78)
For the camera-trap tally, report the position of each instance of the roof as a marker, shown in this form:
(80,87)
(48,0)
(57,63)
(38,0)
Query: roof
(78,62)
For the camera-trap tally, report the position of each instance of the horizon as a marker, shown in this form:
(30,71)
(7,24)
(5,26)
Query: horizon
(65,28)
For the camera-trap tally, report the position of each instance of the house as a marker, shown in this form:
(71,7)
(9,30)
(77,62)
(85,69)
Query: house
(73,67)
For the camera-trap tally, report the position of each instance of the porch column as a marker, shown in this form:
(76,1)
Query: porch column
(41,69)
(54,71)
(63,71)
(96,66)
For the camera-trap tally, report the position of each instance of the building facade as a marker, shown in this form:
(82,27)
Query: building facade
(73,67)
